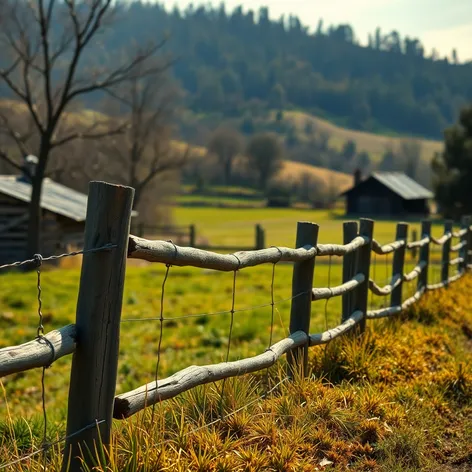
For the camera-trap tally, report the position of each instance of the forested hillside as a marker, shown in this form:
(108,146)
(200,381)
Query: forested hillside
(237,62)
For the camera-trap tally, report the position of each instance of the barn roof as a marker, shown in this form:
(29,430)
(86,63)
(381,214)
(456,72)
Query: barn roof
(55,197)
(400,184)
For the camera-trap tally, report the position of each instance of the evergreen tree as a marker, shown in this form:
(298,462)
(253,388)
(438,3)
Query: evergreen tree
(452,170)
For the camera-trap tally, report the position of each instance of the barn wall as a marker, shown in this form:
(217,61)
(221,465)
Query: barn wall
(371,198)
(13,239)
(417,207)
(57,231)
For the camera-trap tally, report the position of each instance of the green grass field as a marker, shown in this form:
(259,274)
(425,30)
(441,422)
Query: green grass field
(196,309)
(197,306)
(236,227)
(398,400)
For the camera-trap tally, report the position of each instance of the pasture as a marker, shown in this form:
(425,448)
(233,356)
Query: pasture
(196,302)
(235,226)
(383,377)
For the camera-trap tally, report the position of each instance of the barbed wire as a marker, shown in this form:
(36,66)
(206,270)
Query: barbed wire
(35,261)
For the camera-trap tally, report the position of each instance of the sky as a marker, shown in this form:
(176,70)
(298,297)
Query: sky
(440,24)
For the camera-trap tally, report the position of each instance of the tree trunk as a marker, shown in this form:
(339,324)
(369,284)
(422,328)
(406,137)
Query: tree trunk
(34,224)
(228,170)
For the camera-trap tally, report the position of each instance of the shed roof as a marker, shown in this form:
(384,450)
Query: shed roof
(55,197)
(400,184)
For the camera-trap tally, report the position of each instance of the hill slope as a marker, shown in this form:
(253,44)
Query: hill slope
(374,144)
(232,62)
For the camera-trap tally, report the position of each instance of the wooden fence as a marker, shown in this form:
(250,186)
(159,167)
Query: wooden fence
(94,338)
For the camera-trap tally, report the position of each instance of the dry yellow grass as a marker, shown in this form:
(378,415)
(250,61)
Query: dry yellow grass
(374,144)
(292,171)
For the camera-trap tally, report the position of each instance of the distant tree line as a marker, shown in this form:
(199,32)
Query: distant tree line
(229,63)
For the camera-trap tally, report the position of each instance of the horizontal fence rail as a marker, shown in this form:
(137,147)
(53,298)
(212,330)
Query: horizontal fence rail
(93,339)
(41,352)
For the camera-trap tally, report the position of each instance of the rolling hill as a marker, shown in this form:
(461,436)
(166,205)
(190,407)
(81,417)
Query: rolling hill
(374,144)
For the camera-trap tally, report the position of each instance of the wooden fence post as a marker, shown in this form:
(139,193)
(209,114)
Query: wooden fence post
(396,299)
(469,246)
(350,229)
(192,235)
(424,255)
(366,228)
(94,363)
(446,252)
(302,285)
(260,237)
(414,237)
(464,252)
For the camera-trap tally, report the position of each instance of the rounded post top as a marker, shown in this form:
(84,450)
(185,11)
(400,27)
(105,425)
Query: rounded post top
(100,183)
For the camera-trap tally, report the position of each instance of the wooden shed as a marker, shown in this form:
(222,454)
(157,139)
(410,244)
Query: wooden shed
(387,194)
(63,217)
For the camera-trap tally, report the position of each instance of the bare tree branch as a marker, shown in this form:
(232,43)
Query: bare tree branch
(19,139)
(11,162)
(89,134)
(50,67)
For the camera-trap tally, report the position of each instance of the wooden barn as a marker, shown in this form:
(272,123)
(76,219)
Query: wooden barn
(387,194)
(63,215)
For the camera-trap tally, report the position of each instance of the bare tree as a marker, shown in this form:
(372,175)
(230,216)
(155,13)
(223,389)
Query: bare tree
(410,154)
(226,143)
(145,150)
(265,153)
(51,57)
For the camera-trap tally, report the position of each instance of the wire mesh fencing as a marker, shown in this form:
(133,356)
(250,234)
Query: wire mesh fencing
(372,282)
(42,340)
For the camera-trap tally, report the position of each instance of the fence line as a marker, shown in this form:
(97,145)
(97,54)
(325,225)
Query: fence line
(95,352)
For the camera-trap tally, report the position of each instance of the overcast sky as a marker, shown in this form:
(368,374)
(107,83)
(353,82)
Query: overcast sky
(440,24)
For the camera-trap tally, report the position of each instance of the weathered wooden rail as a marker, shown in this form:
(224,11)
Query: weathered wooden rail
(94,338)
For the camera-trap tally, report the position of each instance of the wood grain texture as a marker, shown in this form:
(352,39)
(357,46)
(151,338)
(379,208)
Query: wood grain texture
(446,283)
(342,249)
(136,400)
(38,352)
(366,229)
(343,328)
(168,253)
(446,253)
(424,255)
(350,231)
(464,250)
(387,248)
(300,311)
(394,310)
(325,293)
(420,243)
(447,236)
(398,264)
(386,289)
(415,272)
(95,361)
